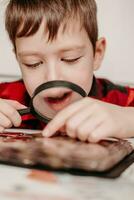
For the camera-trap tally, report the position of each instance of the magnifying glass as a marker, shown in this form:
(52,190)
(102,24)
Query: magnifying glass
(51,97)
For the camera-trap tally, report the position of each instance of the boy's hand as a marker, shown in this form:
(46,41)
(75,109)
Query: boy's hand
(90,120)
(8,114)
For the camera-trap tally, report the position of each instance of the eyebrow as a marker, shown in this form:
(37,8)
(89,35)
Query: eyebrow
(29,53)
(72,48)
(38,53)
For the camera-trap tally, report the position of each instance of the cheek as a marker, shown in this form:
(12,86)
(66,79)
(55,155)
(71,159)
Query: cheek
(84,79)
(30,86)
(32,79)
(31,82)
(81,76)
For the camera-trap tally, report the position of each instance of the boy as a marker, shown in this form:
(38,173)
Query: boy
(58,40)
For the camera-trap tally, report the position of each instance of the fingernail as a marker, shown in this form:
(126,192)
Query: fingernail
(46,133)
(23,106)
(93,138)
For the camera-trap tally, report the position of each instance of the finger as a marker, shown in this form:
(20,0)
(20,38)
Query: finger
(11,113)
(16,104)
(4,121)
(100,132)
(1,129)
(61,118)
(77,119)
(88,126)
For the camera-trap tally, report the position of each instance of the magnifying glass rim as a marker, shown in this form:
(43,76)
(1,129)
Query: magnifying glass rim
(53,84)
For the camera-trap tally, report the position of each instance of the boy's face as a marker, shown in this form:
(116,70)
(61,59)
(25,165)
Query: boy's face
(69,57)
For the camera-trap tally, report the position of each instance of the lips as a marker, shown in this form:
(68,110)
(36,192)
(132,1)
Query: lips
(58,98)
(60,101)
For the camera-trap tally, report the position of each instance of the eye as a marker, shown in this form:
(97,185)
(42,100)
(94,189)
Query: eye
(34,65)
(71,60)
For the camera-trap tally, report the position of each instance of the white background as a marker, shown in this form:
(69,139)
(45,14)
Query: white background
(116,23)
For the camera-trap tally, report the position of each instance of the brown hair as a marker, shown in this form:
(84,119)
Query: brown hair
(24,17)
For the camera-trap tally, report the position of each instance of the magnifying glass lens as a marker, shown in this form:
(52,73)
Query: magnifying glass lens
(51,97)
(49,102)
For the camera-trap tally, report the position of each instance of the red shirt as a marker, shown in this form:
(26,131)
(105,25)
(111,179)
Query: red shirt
(102,89)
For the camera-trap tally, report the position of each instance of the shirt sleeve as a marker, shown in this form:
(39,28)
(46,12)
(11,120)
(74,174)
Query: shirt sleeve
(114,93)
(13,90)
(130,98)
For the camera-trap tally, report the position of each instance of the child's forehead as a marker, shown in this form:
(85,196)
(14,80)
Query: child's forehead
(62,44)
(70,28)
(69,39)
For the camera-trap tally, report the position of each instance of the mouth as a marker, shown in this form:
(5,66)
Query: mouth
(59,102)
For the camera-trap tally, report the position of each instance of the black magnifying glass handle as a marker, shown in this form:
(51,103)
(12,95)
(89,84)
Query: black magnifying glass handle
(24,111)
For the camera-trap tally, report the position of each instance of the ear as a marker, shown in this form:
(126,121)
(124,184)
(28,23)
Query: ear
(99,53)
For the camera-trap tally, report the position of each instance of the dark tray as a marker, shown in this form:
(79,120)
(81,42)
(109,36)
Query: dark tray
(64,155)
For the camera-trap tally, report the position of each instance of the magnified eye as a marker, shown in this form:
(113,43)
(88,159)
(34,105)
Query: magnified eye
(34,65)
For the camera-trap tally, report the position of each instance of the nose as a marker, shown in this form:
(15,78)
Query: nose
(53,72)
